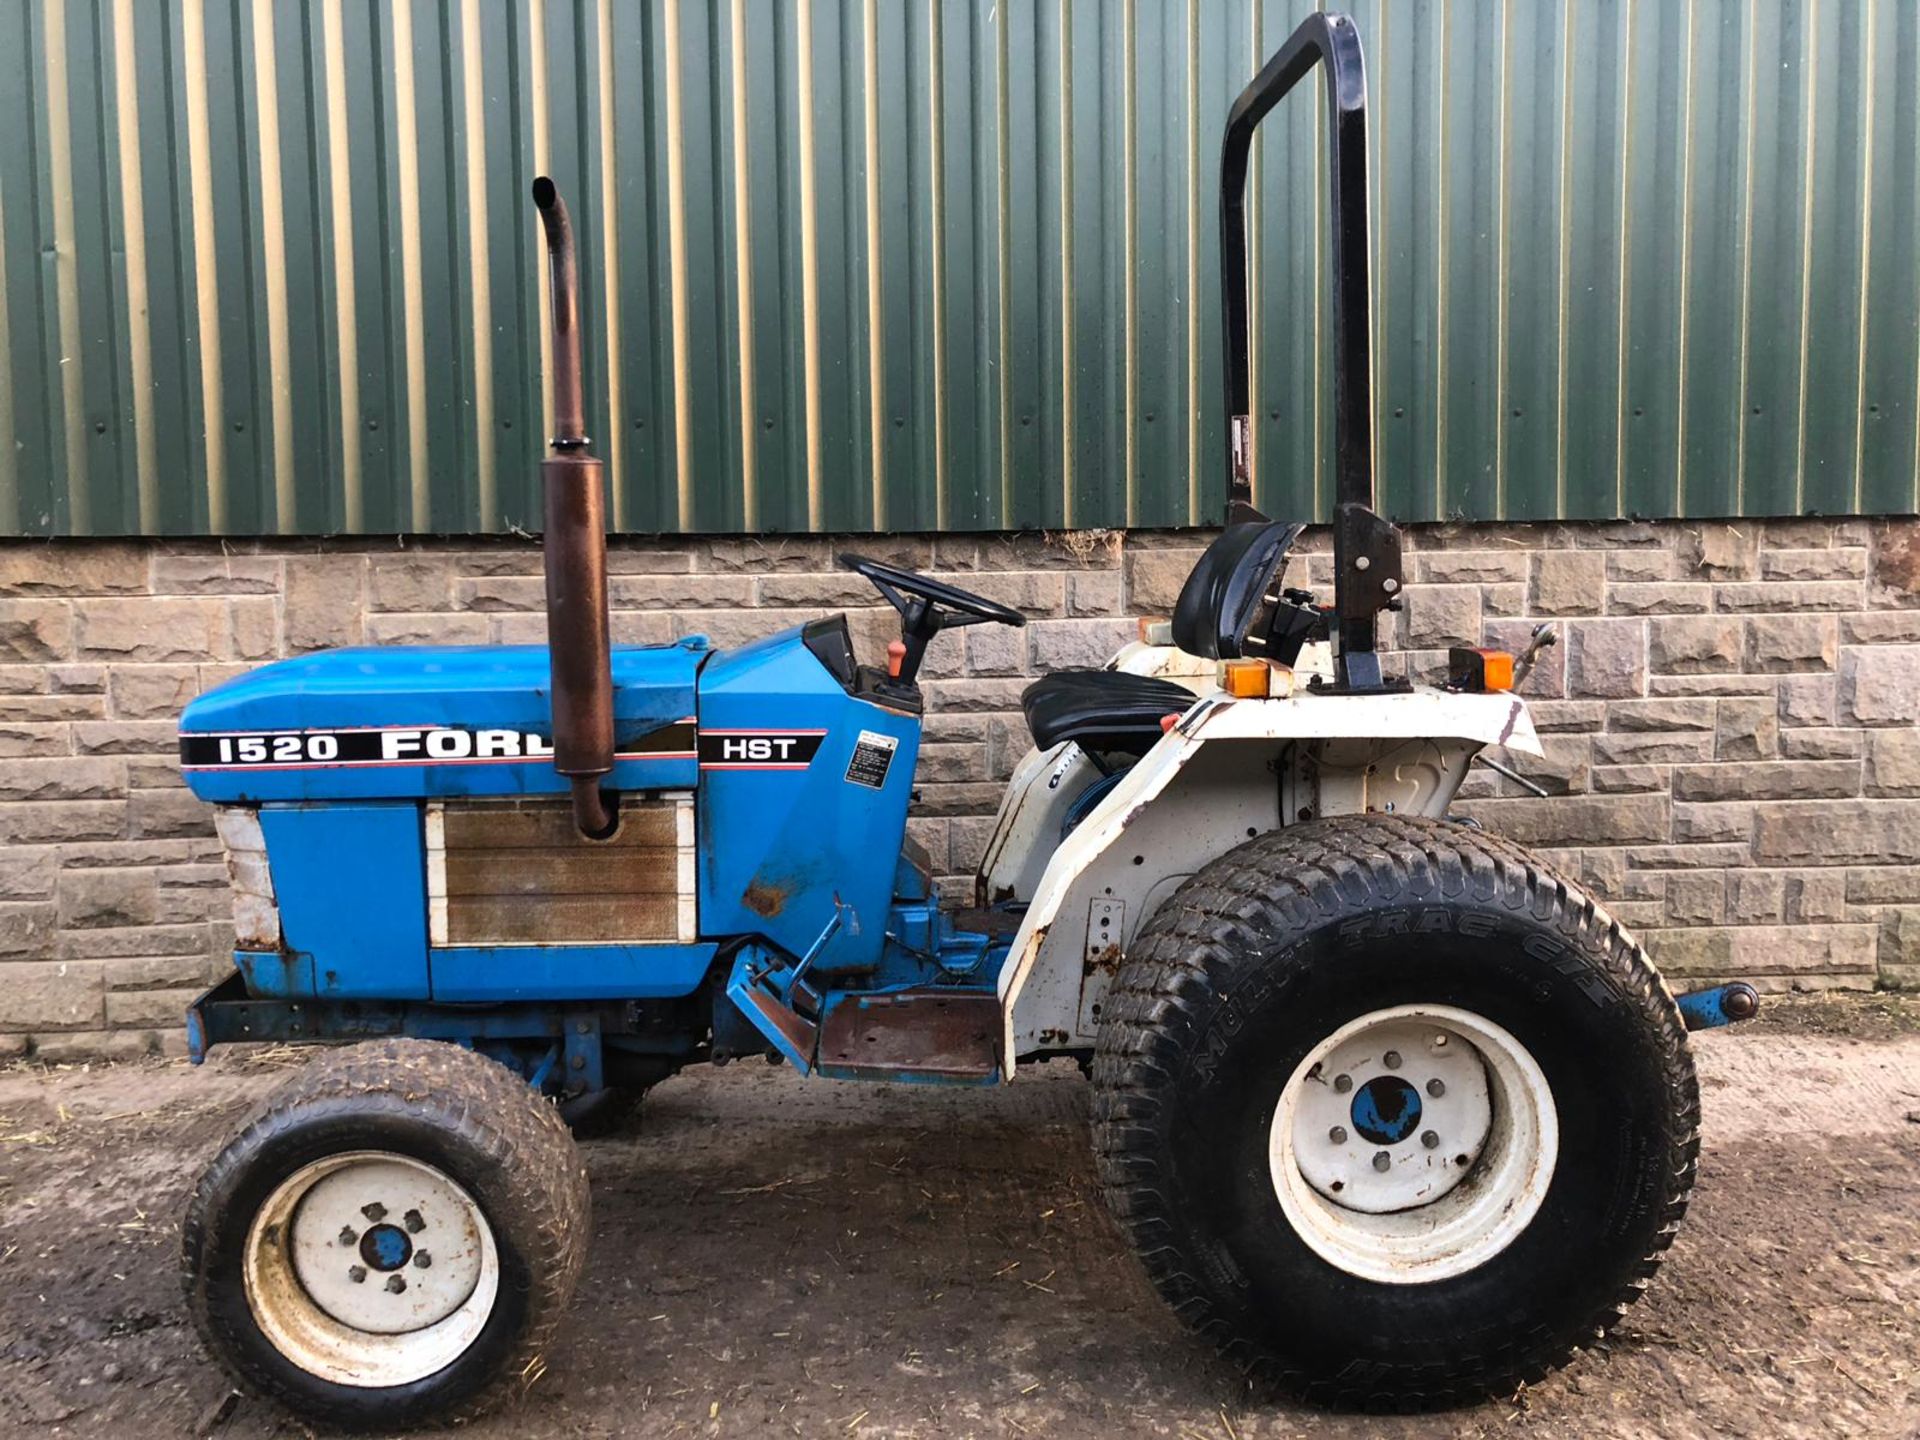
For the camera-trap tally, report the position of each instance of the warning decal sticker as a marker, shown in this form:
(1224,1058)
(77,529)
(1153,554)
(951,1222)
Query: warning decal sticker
(872,758)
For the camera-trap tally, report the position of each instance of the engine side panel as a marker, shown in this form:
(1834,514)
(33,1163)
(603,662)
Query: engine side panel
(802,804)
(351,883)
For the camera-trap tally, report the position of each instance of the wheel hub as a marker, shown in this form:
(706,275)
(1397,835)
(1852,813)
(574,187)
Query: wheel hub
(1413,1143)
(1386,1109)
(386,1247)
(1393,1116)
(370,1268)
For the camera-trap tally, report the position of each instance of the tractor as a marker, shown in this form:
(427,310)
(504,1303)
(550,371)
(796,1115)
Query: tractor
(1393,1114)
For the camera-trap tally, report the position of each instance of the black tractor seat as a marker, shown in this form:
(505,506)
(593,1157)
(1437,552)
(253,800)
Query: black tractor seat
(1219,607)
(1102,710)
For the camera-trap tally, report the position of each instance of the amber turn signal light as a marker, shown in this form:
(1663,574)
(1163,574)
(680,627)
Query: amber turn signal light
(1245,679)
(1471,668)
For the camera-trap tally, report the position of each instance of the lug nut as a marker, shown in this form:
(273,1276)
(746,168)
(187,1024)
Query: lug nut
(422,1260)
(1436,1087)
(1343,1083)
(1429,1139)
(396,1283)
(1338,1134)
(347,1235)
(1391,1059)
(1382,1161)
(375,1212)
(1439,1042)
(356,1273)
(415,1224)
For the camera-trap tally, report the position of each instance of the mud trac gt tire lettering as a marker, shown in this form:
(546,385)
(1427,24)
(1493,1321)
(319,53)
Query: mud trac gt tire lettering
(1238,982)
(415,1107)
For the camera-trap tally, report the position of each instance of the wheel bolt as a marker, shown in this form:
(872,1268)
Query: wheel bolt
(1382,1161)
(1343,1083)
(1439,1042)
(396,1283)
(356,1273)
(1429,1139)
(1338,1134)
(375,1212)
(414,1222)
(1391,1059)
(347,1235)
(1436,1087)
(421,1259)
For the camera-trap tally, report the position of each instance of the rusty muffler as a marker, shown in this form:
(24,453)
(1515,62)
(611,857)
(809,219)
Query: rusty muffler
(578,641)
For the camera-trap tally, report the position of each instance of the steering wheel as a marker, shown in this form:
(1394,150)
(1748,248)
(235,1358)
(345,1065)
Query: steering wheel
(927,606)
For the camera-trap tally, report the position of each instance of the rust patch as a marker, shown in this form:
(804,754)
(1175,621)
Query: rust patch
(765,900)
(798,1031)
(1106,959)
(950,1035)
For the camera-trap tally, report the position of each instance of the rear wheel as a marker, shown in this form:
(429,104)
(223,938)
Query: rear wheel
(1392,1113)
(392,1238)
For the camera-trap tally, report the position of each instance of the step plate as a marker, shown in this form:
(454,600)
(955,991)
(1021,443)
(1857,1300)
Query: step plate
(947,1036)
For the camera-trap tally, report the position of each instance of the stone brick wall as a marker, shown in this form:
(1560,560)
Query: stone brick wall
(1730,719)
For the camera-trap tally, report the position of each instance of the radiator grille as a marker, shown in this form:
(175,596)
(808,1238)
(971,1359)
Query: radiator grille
(518,873)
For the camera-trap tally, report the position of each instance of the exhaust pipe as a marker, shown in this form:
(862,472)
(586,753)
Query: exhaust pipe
(578,642)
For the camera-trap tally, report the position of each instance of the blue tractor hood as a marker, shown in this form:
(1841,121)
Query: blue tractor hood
(409,721)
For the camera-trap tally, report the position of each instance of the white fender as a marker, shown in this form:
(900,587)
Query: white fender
(1229,770)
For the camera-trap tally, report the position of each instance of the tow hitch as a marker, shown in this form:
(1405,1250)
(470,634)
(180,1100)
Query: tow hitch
(1720,1005)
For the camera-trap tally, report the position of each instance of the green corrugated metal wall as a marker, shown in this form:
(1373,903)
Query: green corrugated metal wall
(269,265)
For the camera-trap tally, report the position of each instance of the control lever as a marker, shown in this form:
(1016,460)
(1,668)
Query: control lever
(1543,635)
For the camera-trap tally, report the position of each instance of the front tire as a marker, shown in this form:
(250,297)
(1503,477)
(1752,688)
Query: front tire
(1393,1114)
(391,1239)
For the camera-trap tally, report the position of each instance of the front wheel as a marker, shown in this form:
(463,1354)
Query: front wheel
(1392,1113)
(392,1238)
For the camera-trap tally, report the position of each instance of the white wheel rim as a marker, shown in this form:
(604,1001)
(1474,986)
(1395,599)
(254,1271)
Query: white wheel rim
(1413,1144)
(371,1269)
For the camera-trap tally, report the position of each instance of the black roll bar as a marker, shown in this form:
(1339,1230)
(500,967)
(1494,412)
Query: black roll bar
(1332,42)
(1367,577)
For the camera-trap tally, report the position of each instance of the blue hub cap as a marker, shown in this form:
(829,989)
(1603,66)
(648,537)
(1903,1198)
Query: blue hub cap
(386,1247)
(1386,1109)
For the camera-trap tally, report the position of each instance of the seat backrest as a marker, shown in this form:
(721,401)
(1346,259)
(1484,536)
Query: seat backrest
(1223,596)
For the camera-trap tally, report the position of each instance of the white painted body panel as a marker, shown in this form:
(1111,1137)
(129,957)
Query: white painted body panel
(1032,816)
(1230,770)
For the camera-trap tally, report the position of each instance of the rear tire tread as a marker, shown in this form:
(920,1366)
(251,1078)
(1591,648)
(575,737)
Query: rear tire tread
(1200,942)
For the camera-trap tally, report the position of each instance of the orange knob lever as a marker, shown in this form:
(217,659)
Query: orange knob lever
(896,657)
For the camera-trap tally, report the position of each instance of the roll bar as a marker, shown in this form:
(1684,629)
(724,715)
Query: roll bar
(1367,572)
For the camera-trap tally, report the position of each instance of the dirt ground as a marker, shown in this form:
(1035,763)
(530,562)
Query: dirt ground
(773,1256)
